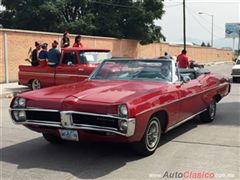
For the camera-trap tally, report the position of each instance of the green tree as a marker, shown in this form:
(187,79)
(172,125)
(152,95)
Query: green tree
(203,44)
(132,19)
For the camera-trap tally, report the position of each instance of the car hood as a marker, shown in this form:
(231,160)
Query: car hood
(111,92)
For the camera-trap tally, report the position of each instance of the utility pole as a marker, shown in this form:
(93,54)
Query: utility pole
(239,43)
(184,25)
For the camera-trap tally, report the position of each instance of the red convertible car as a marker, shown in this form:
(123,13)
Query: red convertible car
(124,100)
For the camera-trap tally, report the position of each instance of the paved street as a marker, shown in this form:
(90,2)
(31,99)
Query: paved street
(194,147)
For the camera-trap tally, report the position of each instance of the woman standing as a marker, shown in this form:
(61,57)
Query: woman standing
(65,40)
(77,42)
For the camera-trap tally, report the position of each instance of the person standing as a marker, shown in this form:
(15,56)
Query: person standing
(77,42)
(54,55)
(35,54)
(182,59)
(65,40)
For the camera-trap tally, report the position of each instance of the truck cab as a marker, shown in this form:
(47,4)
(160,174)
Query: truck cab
(76,64)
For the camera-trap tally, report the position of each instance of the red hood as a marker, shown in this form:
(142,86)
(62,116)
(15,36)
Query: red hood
(110,92)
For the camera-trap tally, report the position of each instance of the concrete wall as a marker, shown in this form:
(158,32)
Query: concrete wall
(15,44)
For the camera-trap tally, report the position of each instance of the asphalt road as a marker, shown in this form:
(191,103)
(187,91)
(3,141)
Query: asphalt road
(192,147)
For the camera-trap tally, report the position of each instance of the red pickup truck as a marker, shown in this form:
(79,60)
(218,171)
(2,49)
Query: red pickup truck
(76,64)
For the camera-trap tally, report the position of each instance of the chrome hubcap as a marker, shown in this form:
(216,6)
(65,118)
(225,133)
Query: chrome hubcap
(152,137)
(36,84)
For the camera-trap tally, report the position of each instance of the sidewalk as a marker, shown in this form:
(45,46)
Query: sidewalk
(10,89)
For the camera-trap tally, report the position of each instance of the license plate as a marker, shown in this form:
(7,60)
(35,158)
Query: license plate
(69,135)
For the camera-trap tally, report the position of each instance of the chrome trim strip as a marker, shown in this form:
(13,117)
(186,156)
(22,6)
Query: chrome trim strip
(78,75)
(183,121)
(33,109)
(37,73)
(46,122)
(52,74)
(94,114)
(75,127)
(233,75)
(181,99)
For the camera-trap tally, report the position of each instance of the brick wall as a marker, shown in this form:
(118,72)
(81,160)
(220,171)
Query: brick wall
(19,42)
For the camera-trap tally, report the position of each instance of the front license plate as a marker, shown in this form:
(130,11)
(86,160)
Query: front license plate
(69,135)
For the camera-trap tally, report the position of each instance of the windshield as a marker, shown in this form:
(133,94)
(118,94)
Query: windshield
(94,57)
(238,61)
(146,70)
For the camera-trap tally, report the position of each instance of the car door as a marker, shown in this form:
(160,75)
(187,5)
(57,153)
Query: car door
(70,70)
(190,99)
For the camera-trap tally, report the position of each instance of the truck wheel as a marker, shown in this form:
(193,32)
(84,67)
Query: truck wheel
(52,138)
(35,84)
(210,113)
(151,138)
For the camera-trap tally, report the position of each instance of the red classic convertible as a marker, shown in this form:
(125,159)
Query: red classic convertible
(124,100)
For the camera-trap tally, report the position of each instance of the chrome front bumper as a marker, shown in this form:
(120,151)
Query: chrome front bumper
(66,121)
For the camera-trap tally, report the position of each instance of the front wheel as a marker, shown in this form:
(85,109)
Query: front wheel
(210,113)
(151,138)
(35,84)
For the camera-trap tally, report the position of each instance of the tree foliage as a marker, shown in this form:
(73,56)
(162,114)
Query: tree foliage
(116,18)
(203,44)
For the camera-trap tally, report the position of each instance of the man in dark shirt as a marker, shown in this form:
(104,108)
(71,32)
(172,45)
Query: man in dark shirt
(54,55)
(34,55)
(182,60)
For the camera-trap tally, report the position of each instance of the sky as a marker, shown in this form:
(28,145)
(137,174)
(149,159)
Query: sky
(198,27)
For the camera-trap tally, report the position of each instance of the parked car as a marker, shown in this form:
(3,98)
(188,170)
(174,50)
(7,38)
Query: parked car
(76,64)
(124,100)
(236,71)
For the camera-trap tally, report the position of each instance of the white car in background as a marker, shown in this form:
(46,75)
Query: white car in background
(236,71)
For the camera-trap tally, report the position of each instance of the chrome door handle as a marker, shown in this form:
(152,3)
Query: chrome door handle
(199,84)
(81,69)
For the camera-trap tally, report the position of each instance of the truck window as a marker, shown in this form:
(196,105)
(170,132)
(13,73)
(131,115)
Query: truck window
(69,57)
(94,57)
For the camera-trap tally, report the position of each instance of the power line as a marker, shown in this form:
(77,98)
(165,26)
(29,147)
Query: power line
(206,29)
(174,5)
(217,27)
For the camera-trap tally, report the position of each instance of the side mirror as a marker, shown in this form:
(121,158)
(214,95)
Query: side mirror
(186,79)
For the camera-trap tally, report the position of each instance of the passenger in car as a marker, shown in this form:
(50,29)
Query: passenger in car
(43,55)
(54,55)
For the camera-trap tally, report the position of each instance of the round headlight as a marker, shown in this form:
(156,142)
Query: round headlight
(22,102)
(123,110)
(19,116)
(15,102)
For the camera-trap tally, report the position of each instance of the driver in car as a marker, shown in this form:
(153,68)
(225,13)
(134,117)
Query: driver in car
(165,72)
